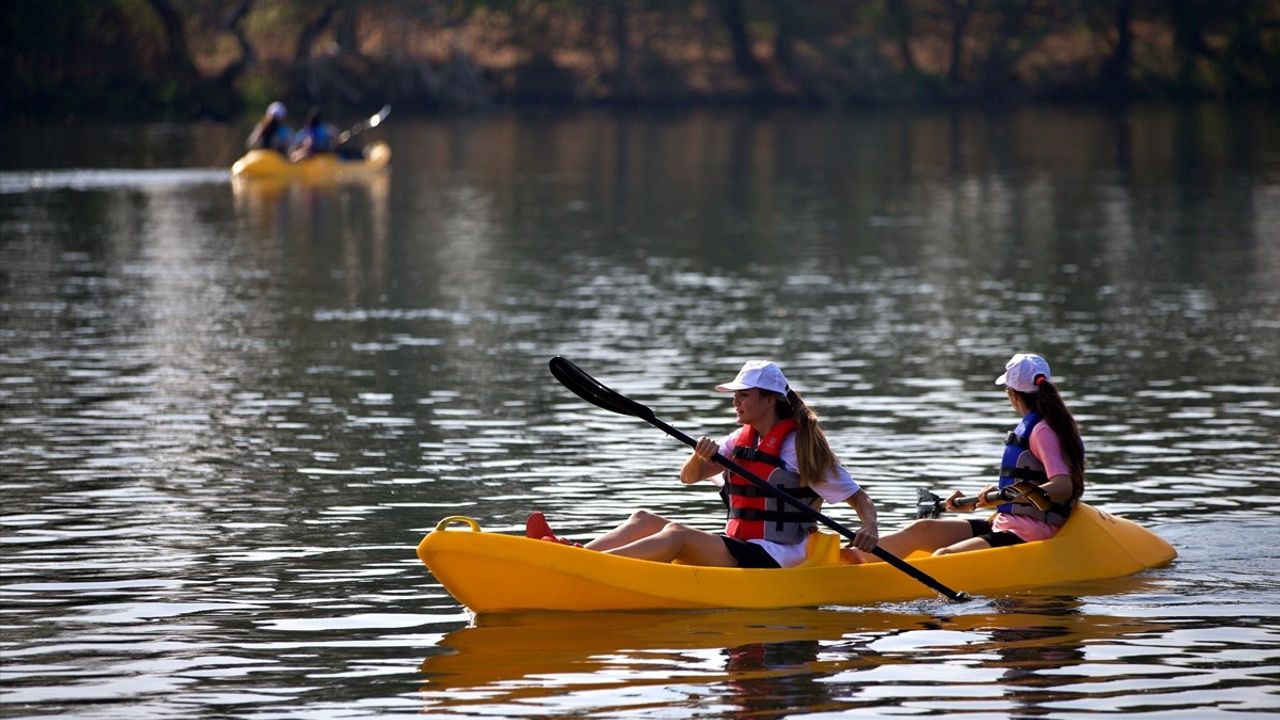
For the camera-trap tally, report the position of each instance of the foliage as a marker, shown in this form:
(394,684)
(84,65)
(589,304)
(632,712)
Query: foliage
(147,58)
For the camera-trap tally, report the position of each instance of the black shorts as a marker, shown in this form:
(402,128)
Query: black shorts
(982,529)
(749,554)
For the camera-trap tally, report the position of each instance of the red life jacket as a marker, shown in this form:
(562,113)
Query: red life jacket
(755,513)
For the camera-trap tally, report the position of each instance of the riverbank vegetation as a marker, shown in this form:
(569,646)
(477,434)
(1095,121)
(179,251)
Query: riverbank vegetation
(183,59)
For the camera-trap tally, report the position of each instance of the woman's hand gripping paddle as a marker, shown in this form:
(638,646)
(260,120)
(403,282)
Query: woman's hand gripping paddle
(594,392)
(1024,491)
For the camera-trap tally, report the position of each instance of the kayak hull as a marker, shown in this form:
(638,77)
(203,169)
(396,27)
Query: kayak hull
(323,168)
(492,572)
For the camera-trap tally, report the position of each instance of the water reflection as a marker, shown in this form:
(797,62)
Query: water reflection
(1013,656)
(229,413)
(341,228)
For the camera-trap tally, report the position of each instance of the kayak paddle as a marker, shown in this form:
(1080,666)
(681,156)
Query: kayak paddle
(600,395)
(372,121)
(931,506)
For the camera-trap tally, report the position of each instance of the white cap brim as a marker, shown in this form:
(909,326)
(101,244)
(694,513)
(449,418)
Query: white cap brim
(1003,377)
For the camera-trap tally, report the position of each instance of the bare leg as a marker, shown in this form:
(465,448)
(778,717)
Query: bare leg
(926,535)
(677,542)
(972,543)
(641,524)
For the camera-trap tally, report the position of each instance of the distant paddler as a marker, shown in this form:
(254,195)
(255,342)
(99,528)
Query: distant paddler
(271,132)
(314,137)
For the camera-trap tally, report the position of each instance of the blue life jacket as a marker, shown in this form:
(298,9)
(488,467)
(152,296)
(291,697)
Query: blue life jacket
(281,138)
(1018,463)
(320,137)
(272,135)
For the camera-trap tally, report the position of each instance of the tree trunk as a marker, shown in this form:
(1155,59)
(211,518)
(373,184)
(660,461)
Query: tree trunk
(622,41)
(1188,40)
(899,16)
(784,22)
(248,58)
(312,30)
(1115,72)
(734,16)
(789,24)
(959,12)
(346,31)
(177,55)
(1002,53)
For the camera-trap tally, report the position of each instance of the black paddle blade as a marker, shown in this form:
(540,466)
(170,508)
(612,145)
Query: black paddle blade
(594,392)
(928,505)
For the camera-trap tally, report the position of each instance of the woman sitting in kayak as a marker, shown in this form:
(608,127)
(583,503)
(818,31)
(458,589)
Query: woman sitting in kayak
(271,132)
(780,440)
(314,137)
(1044,448)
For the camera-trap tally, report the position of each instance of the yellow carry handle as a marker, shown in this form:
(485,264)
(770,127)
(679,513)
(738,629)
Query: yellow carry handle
(458,520)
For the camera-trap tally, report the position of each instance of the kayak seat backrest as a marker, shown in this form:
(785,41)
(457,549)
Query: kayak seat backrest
(822,548)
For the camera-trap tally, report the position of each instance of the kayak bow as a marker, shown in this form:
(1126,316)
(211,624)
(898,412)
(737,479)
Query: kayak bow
(493,572)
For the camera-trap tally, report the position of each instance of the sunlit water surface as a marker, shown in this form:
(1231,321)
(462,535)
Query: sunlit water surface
(229,412)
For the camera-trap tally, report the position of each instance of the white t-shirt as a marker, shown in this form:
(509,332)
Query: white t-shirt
(837,487)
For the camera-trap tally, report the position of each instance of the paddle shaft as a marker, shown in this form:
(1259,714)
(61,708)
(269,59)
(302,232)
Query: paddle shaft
(370,122)
(804,508)
(932,506)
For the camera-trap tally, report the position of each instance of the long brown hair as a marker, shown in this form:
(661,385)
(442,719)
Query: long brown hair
(1048,404)
(813,452)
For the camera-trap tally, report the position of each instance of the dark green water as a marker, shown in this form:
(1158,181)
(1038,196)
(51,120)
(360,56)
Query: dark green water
(229,413)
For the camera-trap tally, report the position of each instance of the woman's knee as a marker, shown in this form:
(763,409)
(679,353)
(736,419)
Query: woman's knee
(917,530)
(644,517)
(649,522)
(675,528)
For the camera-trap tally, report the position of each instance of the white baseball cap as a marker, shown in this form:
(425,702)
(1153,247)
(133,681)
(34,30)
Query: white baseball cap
(758,374)
(276,110)
(1021,371)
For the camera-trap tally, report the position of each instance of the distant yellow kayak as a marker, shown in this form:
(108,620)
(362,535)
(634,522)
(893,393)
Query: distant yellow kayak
(323,168)
(492,572)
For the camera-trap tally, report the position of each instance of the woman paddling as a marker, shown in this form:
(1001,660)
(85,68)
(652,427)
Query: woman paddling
(1044,448)
(780,440)
(314,137)
(271,132)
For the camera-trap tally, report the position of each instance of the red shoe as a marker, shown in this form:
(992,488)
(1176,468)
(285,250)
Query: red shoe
(536,526)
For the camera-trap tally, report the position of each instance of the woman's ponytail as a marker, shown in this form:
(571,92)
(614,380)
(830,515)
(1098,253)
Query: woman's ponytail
(1048,404)
(813,452)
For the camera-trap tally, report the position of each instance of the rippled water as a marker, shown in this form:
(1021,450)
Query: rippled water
(230,412)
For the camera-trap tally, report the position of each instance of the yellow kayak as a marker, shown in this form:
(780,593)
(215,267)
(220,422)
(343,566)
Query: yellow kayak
(493,572)
(323,168)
